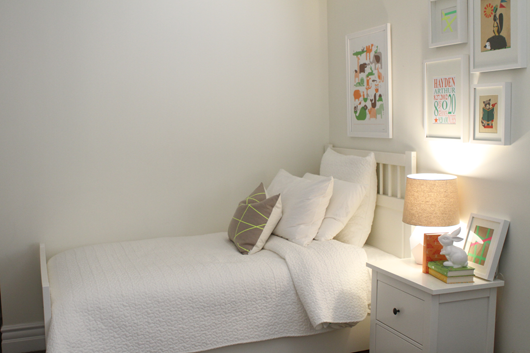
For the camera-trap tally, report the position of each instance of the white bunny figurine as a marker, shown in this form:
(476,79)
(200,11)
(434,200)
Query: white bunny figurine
(456,256)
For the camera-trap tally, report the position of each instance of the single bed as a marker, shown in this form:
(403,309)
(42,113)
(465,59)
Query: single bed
(132,286)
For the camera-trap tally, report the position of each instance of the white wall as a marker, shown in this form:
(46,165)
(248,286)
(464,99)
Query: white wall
(130,119)
(493,180)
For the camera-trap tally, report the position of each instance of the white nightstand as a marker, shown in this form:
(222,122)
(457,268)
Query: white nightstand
(415,312)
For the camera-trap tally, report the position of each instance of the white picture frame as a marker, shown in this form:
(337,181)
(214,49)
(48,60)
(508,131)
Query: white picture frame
(491,113)
(484,258)
(447,22)
(369,83)
(502,51)
(446,98)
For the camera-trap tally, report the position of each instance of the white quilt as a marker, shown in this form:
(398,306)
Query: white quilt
(330,279)
(187,294)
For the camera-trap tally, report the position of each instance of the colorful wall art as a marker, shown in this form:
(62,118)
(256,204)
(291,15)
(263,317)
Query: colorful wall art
(444,100)
(490,122)
(369,96)
(499,35)
(447,22)
(449,16)
(489,114)
(495,25)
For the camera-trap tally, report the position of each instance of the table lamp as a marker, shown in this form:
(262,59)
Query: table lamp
(431,200)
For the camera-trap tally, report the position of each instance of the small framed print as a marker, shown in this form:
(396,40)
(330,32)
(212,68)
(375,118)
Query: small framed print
(369,80)
(491,114)
(446,98)
(499,37)
(484,241)
(448,22)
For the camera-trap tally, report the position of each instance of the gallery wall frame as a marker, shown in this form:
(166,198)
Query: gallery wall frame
(446,98)
(447,22)
(499,39)
(369,83)
(484,241)
(491,113)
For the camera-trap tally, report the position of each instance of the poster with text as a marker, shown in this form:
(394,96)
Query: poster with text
(444,100)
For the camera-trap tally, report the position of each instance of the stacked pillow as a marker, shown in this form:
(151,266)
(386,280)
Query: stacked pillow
(344,202)
(359,170)
(338,204)
(304,205)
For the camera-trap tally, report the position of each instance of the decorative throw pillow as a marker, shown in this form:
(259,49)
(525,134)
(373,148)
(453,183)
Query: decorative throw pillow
(304,204)
(360,170)
(344,201)
(254,219)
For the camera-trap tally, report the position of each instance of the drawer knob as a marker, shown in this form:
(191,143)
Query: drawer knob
(395,311)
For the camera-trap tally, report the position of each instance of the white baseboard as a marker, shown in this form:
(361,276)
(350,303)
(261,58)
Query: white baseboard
(23,338)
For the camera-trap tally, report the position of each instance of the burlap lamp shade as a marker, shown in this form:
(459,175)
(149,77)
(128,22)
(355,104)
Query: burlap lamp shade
(431,200)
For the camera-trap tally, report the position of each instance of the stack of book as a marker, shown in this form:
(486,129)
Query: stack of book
(450,274)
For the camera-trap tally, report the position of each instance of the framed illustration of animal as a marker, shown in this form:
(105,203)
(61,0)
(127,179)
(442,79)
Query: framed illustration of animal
(491,113)
(369,83)
(499,40)
(448,22)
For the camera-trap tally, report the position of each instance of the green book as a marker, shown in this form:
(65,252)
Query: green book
(450,271)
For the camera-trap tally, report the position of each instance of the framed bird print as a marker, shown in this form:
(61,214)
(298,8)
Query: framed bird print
(499,37)
(369,83)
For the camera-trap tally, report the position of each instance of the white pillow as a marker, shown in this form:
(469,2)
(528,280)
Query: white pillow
(360,170)
(344,201)
(304,204)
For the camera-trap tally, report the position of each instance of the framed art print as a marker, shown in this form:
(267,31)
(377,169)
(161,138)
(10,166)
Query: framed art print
(369,83)
(484,241)
(446,98)
(491,113)
(499,37)
(448,22)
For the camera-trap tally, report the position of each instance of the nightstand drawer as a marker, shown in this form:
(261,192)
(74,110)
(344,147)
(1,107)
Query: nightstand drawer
(409,321)
(387,342)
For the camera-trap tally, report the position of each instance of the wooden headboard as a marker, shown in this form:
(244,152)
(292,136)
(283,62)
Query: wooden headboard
(389,233)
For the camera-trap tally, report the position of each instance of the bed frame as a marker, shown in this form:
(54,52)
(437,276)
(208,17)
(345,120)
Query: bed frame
(389,234)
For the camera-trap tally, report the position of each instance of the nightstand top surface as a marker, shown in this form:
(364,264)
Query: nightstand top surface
(407,271)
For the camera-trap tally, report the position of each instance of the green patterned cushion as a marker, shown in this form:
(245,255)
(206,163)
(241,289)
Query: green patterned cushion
(254,220)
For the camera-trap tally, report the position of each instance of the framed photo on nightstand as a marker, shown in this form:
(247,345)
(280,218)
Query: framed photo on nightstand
(484,241)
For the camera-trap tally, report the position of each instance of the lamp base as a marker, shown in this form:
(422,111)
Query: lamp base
(417,253)
(416,239)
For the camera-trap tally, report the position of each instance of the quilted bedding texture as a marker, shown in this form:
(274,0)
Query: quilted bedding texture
(188,294)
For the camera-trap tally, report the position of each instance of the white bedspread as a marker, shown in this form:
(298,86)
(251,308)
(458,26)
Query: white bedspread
(187,294)
(329,278)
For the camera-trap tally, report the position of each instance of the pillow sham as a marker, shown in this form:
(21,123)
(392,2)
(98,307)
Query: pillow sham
(304,204)
(345,200)
(360,170)
(254,219)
